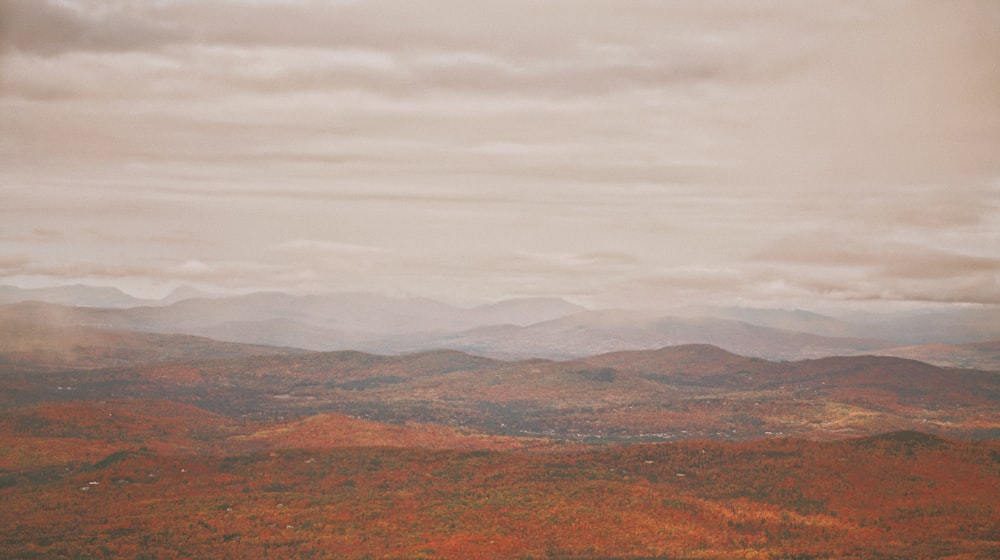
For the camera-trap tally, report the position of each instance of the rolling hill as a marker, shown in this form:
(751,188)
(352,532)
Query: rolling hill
(33,337)
(896,495)
(387,326)
(977,355)
(670,393)
(118,443)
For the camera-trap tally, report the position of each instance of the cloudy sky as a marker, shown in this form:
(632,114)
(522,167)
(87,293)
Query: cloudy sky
(615,152)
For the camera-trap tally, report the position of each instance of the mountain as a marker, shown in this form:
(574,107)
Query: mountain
(75,295)
(522,328)
(955,324)
(289,332)
(361,313)
(669,393)
(594,332)
(353,314)
(798,320)
(976,355)
(33,336)
(81,295)
(184,292)
(523,311)
(224,450)
(167,444)
(952,325)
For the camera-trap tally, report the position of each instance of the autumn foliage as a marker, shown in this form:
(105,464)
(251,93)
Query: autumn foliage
(685,452)
(159,480)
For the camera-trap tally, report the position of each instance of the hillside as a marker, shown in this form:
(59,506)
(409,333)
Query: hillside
(977,355)
(514,329)
(179,446)
(595,332)
(671,393)
(364,319)
(33,338)
(903,494)
(330,431)
(78,294)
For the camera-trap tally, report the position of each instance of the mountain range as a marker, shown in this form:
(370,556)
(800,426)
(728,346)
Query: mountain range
(548,328)
(179,428)
(674,392)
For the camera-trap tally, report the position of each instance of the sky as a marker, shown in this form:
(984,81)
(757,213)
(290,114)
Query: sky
(614,153)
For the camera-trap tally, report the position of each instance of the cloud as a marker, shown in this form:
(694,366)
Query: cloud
(49,27)
(312,247)
(890,257)
(907,96)
(690,147)
(325,258)
(392,48)
(812,286)
(889,209)
(568,264)
(852,268)
(224,273)
(13,264)
(35,235)
(192,269)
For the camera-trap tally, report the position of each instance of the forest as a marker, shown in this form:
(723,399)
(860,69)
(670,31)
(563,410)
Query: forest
(130,445)
(154,479)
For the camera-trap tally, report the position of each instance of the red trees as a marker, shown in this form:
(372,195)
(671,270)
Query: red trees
(900,495)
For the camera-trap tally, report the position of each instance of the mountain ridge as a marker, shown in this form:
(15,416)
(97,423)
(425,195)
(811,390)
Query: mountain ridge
(549,328)
(675,392)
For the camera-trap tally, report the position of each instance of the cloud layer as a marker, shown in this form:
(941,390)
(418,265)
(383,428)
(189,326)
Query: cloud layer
(617,152)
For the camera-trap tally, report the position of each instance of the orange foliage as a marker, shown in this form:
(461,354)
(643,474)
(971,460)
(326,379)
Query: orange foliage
(904,494)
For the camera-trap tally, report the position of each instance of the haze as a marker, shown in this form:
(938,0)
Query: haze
(807,154)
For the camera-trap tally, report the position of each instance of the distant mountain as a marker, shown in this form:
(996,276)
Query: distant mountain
(594,332)
(954,325)
(379,321)
(288,332)
(182,293)
(321,322)
(798,320)
(75,295)
(27,343)
(80,295)
(524,311)
(710,366)
(364,313)
(521,328)
(391,326)
(977,355)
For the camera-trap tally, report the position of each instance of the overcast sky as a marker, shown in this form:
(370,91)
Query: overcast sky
(616,153)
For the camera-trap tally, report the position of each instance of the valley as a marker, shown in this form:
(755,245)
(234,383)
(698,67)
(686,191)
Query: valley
(198,484)
(672,393)
(133,443)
